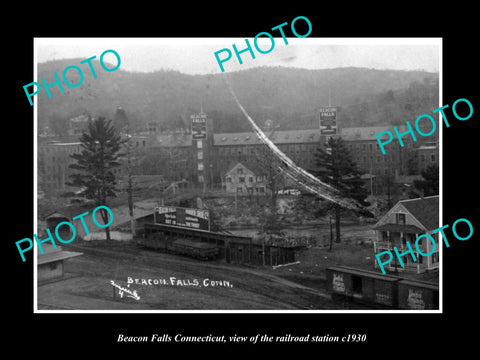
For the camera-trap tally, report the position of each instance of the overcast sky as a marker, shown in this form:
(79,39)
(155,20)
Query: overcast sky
(196,55)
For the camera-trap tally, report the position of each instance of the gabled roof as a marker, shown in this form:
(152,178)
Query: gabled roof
(232,165)
(251,166)
(425,210)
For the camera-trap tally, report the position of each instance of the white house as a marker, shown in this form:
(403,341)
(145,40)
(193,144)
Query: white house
(406,221)
(243,181)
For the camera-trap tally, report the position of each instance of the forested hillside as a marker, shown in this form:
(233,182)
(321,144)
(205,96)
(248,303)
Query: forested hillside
(289,96)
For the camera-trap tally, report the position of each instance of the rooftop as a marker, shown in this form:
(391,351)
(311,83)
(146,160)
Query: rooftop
(425,210)
(277,137)
(366,133)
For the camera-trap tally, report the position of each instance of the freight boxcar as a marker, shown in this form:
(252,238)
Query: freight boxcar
(417,295)
(195,249)
(363,286)
(381,291)
(201,244)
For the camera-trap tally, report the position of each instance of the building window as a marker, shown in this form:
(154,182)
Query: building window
(239,189)
(240,170)
(229,179)
(261,189)
(432,158)
(250,179)
(259,178)
(241,179)
(401,219)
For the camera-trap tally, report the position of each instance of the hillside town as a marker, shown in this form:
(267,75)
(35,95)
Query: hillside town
(233,176)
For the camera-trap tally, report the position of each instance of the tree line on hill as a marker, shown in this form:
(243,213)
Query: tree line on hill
(288,96)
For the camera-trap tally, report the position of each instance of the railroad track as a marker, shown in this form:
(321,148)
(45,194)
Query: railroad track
(268,285)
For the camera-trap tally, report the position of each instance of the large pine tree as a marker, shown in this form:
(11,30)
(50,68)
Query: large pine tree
(336,167)
(101,146)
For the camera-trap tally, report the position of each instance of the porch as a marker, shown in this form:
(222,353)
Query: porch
(397,235)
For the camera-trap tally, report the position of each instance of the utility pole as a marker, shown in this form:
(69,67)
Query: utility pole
(130,183)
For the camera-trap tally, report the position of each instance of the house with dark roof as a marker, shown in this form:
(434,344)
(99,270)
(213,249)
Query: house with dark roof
(406,221)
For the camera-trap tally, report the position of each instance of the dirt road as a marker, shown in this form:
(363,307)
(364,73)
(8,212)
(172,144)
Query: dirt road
(169,282)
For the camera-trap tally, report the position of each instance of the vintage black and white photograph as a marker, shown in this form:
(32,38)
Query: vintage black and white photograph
(234,175)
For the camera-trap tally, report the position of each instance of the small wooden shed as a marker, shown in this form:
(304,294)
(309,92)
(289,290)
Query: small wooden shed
(50,264)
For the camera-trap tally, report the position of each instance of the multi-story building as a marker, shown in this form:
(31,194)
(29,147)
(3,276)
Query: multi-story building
(403,223)
(202,157)
(427,155)
(366,152)
(53,164)
(298,145)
